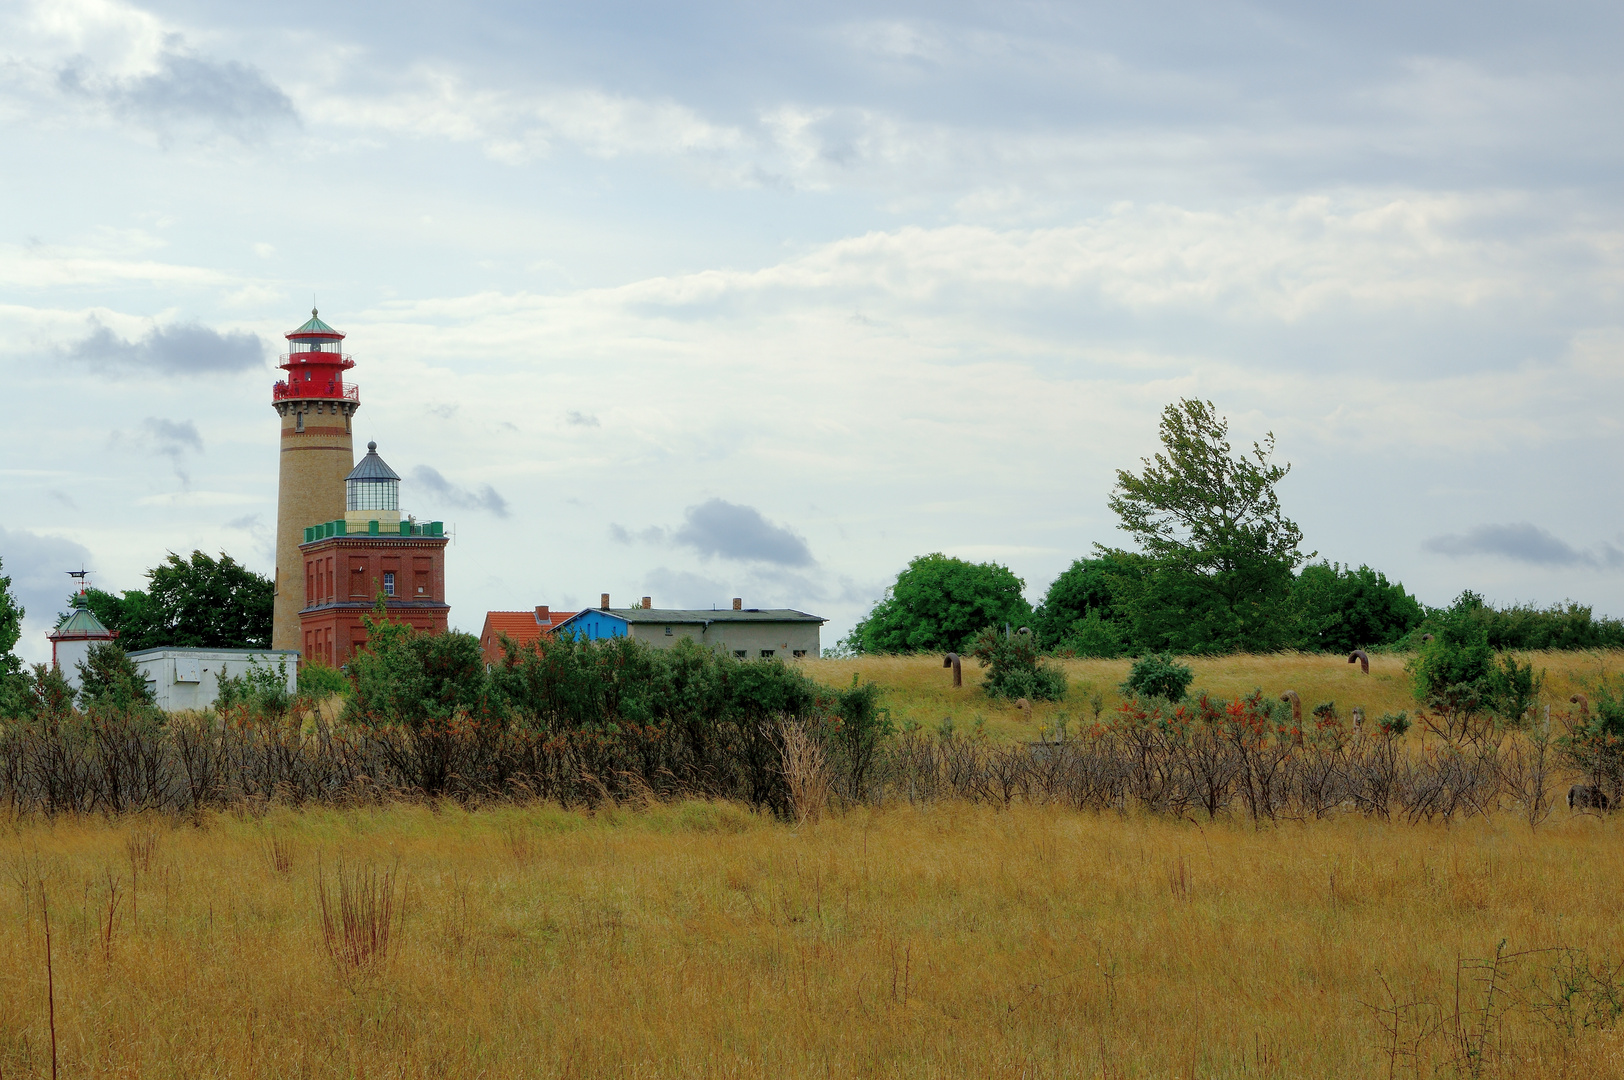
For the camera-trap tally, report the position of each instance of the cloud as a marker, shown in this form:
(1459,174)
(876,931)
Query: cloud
(1523,542)
(186,91)
(183,347)
(484,498)
(37,565)
(728,530)
(580,419)
(166,438)
(246,523)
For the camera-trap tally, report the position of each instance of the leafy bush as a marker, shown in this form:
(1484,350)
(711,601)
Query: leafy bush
(1015,668)
(1337,609)
(1158,676)
(1453,674)
(262,690)
(1095,636)
(1525,627)
(1514,689)
(318,681)
(938,604)
(1594,744)
(1080,612)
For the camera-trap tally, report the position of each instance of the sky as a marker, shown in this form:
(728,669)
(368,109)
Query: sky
(763,300)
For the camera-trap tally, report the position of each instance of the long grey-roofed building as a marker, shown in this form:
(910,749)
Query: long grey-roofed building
(748,633)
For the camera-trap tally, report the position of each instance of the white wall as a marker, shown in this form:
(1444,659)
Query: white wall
(184,679)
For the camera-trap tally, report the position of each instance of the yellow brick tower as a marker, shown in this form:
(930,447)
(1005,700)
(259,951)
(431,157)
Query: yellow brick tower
(315,407)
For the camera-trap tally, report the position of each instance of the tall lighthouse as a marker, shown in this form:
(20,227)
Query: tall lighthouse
(316,407)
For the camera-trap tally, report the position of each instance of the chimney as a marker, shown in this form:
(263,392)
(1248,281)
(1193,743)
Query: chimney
(604,603)
(738,603)
(542,616)
(648,602)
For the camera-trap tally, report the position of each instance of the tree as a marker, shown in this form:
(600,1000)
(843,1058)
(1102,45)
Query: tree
(940,604)
(109,679)
(1338,610)
(13,680)
(1454,673)
(1222,551)
(194,603)
(1080,610)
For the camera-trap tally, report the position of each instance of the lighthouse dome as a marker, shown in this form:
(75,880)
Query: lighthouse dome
(372,484)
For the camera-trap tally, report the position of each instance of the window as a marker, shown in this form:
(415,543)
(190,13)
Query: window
(740,653)
(298,421)
(668,631)
(389,583)
(766,653)
(799,653)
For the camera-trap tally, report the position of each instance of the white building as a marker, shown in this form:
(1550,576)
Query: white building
(71,642)
(182,679)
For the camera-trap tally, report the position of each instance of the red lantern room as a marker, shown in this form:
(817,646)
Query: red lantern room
(315,364)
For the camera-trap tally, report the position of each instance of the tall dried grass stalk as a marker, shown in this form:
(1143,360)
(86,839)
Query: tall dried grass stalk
(807,773)
(357,917)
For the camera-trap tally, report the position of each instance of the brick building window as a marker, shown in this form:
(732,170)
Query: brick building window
(765,653)
(389,583)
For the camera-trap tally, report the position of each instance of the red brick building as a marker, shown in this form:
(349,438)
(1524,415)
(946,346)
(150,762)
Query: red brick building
(522,626)
(348,562)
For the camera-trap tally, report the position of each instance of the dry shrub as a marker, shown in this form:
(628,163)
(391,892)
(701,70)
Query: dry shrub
(357,917)
(806,772)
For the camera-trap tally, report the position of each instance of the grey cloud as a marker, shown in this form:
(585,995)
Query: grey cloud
(718,527)
(651,535)
(580,419)
(172,439)
(484,497)
(728,530)
(189,90)
(247,523)
(185,347)
(1523,542)
(38,566)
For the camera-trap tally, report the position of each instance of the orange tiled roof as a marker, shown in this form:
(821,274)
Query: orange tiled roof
(522,626)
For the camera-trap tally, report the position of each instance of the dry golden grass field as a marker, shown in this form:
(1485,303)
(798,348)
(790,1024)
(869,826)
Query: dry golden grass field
(922,691)
(699,939)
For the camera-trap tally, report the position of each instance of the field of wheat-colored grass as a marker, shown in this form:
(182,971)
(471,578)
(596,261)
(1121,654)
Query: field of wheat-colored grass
(921,690)
(946,939)
(702,940)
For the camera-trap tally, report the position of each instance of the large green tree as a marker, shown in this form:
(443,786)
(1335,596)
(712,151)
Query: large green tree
(13,680)
(939,604)
(1080,611)
(1222,552)
(197,602)
(1337,609)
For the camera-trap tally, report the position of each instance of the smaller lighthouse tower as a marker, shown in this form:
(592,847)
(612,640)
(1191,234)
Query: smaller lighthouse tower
(316,408)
